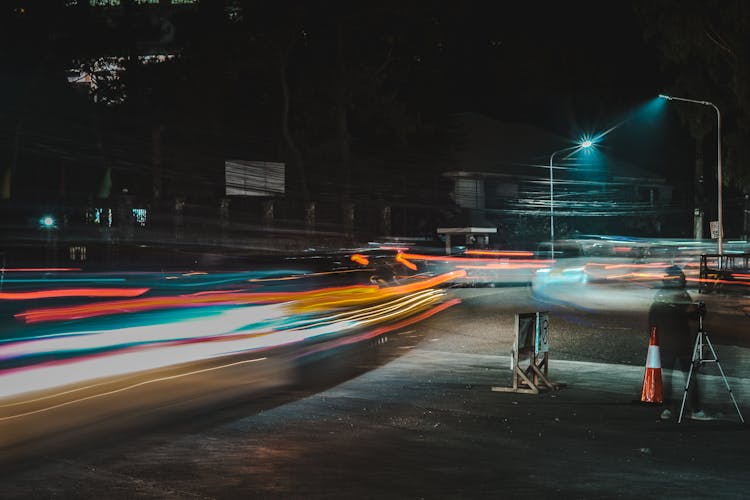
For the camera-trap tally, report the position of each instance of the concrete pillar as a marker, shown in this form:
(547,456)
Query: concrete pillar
(267,217)
(179,217)
(348,216)
(697,224)
(125,220)
(224,217)
(310,217)
(385,220)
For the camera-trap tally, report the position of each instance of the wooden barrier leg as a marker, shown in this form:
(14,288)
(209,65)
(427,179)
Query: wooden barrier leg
(517,372)
(540,376)
(542,370)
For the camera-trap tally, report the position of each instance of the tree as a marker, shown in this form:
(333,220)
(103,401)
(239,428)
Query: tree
(704,45)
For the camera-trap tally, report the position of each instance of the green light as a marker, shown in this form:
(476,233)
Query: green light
(587,144)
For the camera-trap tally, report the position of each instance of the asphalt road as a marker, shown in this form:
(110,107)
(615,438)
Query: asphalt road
(412,415)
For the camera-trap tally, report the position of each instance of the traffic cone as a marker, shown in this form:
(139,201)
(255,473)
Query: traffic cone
(652,388)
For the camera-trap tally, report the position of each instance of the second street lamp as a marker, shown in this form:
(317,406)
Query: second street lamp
(582,145)
(719,181)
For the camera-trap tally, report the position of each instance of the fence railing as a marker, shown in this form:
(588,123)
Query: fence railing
(726,272)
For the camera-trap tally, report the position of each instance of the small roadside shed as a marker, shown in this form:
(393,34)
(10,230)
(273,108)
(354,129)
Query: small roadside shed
(474,236)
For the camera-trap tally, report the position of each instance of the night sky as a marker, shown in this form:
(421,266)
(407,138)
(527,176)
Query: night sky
(575,64)
(564,66)
(570,68)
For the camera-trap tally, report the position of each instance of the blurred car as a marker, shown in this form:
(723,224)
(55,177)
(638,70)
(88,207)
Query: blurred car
(568,265)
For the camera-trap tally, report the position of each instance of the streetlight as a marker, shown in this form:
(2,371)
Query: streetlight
(718,162)
(581,145)
(47,222)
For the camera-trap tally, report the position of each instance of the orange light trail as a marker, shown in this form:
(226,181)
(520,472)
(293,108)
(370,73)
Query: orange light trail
(396,326)
(718,281)
(373,293)
(401,259)
(151,303)
(446,258)
(306,301)
(505,265)
(501,253)
(74,292)
(360,259)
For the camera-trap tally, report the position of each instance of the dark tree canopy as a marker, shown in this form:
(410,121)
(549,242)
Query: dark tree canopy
(704,44)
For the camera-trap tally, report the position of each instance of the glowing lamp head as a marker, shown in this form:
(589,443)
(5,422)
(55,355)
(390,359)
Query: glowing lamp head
(664,96)
(586,144)
(47,221)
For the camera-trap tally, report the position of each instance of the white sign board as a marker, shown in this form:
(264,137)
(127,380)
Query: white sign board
(533,332)
(253,178)
(542,332)
(714,225)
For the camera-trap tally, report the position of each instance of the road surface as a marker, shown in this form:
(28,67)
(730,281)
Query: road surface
(412,415)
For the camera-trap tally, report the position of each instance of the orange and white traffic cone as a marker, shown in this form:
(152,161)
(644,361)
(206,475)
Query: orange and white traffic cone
(652,387)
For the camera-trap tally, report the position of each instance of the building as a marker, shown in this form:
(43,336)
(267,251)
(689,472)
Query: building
(501,178)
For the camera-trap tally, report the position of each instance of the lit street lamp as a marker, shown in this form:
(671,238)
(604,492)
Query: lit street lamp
(47,222)
(582,145)
(718,162)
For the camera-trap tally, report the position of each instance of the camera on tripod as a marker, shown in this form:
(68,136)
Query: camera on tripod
(700,309)
(702,341)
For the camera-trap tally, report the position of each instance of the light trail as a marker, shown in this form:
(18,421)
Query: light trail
(360,259)
(38,269)
(64,280)
(501,253)
(74,292)
(307,275)
(121,389)
(219,323)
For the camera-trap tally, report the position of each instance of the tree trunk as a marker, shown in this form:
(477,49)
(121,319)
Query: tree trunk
(342,116)
(157,159)
(8,174)
(286,133)
(105,187)
(344,147)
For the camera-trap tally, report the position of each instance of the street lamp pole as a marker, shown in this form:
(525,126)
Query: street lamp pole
(552,203)
(583,145)
(719,180)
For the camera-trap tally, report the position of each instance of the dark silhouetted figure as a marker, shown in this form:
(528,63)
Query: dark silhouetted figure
(674,315)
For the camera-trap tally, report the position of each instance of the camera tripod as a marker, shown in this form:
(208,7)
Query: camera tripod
(701,342)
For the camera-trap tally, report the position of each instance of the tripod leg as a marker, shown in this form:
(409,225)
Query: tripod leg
(724,377)
(690,375)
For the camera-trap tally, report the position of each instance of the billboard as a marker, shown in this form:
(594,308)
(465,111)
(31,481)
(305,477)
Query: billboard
(253,178)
